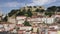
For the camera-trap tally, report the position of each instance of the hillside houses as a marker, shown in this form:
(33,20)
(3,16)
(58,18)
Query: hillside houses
(48,20)
(32,20)
(24,10)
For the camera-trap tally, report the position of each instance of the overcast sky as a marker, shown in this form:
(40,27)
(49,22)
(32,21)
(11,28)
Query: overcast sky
(7,5)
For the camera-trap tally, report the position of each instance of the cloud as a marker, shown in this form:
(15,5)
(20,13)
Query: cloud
(33,3)
(12,4)
(41,2)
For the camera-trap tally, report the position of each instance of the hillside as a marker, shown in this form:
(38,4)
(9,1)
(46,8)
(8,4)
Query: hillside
(33,10)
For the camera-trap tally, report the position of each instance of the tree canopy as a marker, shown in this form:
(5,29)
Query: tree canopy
(40,10)
(52,8)
(26,23)
(12,12)
(5,18)
(27,13)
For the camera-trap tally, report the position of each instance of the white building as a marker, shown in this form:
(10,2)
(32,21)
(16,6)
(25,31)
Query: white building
(8,27)
(20,19)
(57,15)
(11,20)
(48,20)
(25,28)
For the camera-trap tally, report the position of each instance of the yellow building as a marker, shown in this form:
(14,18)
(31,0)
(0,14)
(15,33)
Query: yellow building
(58,32)
(35,29)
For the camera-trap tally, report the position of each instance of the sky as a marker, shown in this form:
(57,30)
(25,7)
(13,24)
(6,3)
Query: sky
(7,5)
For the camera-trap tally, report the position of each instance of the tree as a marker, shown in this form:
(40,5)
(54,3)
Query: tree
(40,10)
(29,6)
(37,10)
(5,18)
(52,8)
(26,23)
(12,12)
(34,6)
(57,20)
(21,13)
(29,13)
(58,8)
(48,13)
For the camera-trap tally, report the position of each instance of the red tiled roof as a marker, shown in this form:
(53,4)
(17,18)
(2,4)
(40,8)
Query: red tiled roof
(6,23)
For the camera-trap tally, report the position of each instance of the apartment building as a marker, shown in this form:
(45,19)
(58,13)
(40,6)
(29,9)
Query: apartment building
(20,19)
(11,20)
(40,19)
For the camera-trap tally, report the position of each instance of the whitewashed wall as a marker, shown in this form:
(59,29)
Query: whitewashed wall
(20,19)
(12,20)
(40,20)
(25,28)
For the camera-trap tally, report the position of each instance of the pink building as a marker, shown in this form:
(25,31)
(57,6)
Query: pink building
(57,15)
(33,33)
(25,29)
